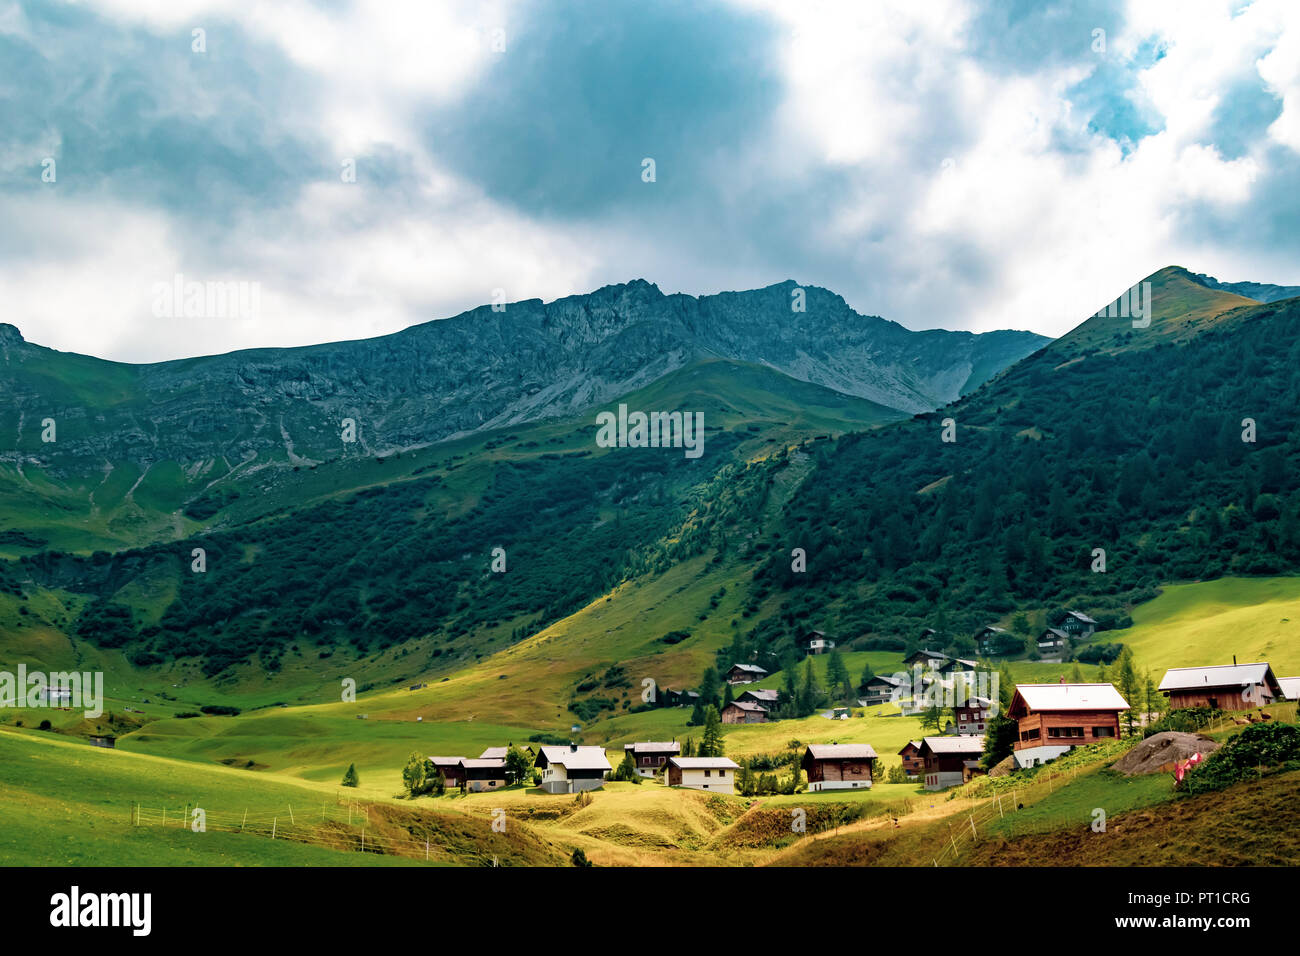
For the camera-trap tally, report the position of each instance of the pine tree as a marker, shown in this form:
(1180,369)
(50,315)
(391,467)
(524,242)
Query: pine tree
(711,743)
(1126,681)
(350,778)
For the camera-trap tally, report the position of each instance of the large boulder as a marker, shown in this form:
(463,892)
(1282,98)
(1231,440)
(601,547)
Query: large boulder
(1160,752)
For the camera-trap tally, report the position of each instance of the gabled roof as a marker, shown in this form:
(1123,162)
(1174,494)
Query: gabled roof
(747,705)
(959,744)
(446,761)
(1220,675)
(1078,616)
(840,752)
(768,694)
(982,703)
(886,679)
(494,753)
(911,743)
(992,627)
(654,747)
(581,758)
(747,668)
(1040,697)
(1056,633)
(1290,687)
(704,763)
(932,655)
(482,763)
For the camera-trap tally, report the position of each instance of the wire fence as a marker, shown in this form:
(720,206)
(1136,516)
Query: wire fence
(972,826)
(336,827)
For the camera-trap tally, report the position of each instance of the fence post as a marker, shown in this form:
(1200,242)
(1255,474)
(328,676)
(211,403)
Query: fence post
(972,826)
(291,823)
(426,849)
(243,821)
(363,839)
(274,821)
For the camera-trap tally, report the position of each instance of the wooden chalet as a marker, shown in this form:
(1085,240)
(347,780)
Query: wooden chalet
(481,774)
(763,696)
(453,772)
(744,712)
(1056,718)
(1052,642)
(972,716)
(572,769)
(745,673)
(913,762)
(1223,686)
(838,766)
(993,640)
(925,659)
(1079,626)
(715,774)
(881,689)
(650,757)
(950,761)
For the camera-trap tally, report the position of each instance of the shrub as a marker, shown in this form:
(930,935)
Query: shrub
(1257,748)
(1186,720)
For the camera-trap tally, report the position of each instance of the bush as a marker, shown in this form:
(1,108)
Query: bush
(1186,720)
(1258,748)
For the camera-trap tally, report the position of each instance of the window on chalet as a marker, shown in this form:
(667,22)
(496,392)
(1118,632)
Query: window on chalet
(1103,731)
(1065,732)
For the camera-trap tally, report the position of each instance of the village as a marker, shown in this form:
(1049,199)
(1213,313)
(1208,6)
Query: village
(1050,720)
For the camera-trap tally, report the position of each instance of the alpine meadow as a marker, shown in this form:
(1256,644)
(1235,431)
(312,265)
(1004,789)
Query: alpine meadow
(462,436)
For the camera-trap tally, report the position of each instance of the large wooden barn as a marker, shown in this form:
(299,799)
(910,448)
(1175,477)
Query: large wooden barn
(838,766)
(1223,686)
(1056,718)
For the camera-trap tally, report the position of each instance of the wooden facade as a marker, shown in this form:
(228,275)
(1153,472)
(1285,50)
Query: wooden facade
(913,762)
(838,766)
(744,712)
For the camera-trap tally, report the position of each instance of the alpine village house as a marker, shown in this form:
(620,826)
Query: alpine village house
(1055,718)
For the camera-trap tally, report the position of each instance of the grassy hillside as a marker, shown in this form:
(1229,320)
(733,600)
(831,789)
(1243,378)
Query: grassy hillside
(1256,619)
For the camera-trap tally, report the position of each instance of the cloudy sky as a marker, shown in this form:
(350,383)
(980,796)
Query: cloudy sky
(942,163)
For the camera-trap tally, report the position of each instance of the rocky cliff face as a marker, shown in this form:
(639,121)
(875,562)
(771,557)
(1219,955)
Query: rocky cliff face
(479,370)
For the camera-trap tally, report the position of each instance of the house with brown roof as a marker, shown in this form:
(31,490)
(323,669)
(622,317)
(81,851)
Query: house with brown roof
(1055,718)
(744,712)
(1223,687)
(715,774)
(838,766)
(951,761)
(572,768)
(650,757)
(913,762)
